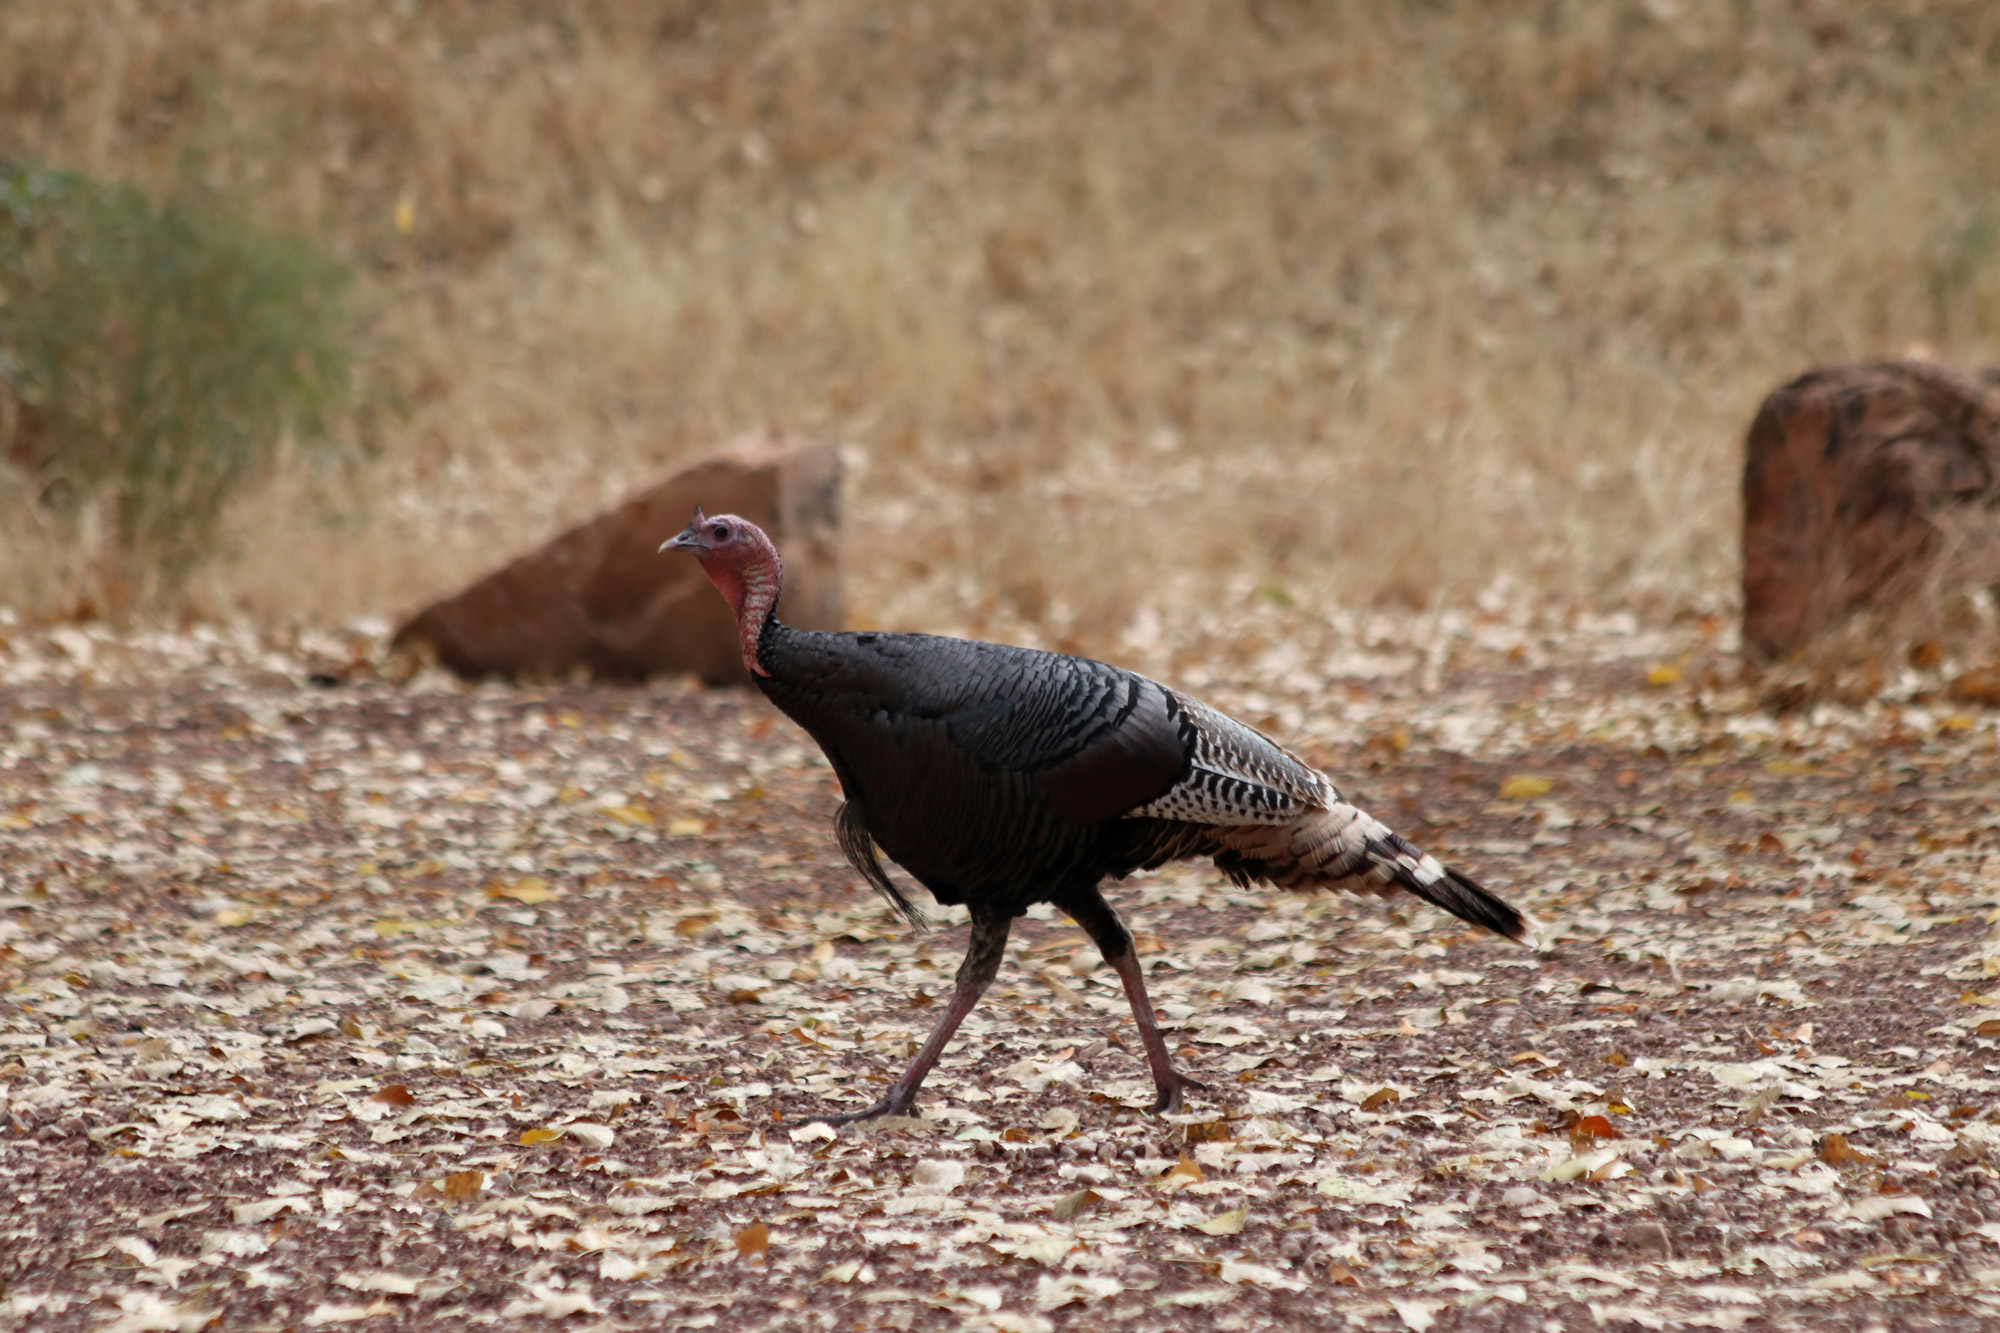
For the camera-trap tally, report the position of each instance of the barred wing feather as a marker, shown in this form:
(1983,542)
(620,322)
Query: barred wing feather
(1236,774)
(1265,814)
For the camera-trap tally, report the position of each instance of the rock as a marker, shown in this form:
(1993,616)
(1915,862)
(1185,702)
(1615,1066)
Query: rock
(1862,484)
(601,597)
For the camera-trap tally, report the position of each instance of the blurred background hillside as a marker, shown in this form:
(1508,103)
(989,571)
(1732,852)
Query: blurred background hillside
(1125,309)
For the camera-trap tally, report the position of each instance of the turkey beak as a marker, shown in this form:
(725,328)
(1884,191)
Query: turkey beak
(689,540)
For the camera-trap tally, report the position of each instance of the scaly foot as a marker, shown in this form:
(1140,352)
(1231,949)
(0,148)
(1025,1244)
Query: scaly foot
(890,1105)
(1169,1100)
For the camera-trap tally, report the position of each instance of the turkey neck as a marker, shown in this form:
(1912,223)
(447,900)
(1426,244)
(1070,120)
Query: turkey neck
(751,587)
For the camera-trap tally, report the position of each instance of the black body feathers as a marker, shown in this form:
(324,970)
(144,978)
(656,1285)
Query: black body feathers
(1001,776)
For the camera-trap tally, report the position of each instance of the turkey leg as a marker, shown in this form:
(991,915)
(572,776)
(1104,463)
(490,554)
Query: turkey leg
(1115,943)
(982,962)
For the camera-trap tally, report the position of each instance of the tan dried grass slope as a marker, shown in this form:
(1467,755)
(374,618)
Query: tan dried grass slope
(1119,303)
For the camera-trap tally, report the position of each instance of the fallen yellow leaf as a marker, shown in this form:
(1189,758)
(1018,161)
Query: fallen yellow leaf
(1225,1224)
(1666,673)
(531,1137)
(529,889)
(630,814)
(1524,788)
(1181,1174)
(685,827)
(232,916)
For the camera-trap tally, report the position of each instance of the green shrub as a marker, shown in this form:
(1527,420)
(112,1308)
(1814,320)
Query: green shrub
(158,353)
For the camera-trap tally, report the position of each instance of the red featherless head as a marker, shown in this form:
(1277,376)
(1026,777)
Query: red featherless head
(743,565)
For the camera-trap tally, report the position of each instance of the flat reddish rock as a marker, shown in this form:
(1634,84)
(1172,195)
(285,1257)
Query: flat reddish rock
(1857,482)
(601,597)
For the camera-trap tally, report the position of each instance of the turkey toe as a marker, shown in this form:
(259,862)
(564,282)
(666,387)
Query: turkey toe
(887,1106)
(1169,1100)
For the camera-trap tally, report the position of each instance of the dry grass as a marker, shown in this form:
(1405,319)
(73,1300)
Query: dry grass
(1117,303)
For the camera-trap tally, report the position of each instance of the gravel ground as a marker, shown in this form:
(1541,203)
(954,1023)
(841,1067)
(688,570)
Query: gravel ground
(419,1005)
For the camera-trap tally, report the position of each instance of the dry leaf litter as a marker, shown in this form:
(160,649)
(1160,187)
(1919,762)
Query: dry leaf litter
(427,1005)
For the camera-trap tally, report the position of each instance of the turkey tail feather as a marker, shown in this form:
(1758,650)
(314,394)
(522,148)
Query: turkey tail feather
(1345,847)
(859,849)
(1466,899)
(1400,860)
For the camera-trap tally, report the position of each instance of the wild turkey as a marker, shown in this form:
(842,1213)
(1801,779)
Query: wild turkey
(1001,777)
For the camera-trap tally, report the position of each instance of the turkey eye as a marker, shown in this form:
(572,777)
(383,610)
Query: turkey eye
(720,532)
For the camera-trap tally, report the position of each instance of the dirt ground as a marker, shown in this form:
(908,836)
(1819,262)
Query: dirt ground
(423,1005)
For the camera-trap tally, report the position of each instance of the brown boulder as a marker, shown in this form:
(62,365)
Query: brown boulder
(602,597)
(1859,483)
